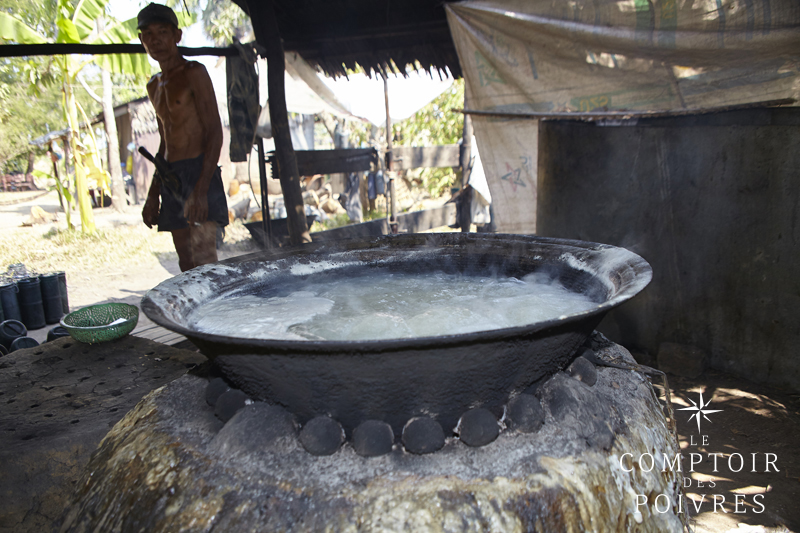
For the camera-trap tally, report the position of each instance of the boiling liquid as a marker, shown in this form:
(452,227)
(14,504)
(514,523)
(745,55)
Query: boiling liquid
(391,305)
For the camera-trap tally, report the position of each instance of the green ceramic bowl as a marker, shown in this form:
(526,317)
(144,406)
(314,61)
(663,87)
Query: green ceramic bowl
(102,322)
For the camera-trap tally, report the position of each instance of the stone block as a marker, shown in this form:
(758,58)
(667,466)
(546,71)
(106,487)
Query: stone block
(681,359)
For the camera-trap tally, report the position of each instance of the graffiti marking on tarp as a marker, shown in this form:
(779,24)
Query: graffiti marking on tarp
(501,48)
(630,98)
(590,103)
(668,23)
(487,74)
(534,72)
(514,175)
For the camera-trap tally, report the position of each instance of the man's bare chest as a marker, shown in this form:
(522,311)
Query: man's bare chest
(173,100)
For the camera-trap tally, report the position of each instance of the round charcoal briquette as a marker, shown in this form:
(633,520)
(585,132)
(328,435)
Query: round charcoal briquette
(525,413)
(322,435)
(423,435)
(229,403)
(214,389)
(478,427)
(372,438)
(583,370)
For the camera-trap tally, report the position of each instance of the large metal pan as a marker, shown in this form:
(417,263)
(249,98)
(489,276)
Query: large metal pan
(394,380)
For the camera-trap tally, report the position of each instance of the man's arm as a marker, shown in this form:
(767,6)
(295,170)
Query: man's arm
(205,101)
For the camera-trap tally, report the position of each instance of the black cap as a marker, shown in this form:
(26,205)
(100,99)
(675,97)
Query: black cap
(156,13)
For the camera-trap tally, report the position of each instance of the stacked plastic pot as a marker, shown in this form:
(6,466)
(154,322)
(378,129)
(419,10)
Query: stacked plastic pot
(29,301)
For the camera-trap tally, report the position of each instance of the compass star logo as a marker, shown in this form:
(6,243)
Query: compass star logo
(700,410)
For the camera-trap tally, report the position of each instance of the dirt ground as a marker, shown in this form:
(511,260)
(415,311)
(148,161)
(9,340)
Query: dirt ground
(122,282)
(757,422)
(750,422)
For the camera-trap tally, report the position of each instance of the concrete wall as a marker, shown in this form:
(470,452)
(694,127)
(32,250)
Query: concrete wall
(711,201)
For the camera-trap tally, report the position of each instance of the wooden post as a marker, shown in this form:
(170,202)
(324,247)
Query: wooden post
(268,36)
(465,204)
(266,224)
(465,154)
(392,191)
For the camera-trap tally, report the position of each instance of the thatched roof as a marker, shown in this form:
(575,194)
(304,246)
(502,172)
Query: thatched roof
(376,34)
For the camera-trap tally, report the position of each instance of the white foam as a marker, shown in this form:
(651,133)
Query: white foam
(386,305)
(252,317)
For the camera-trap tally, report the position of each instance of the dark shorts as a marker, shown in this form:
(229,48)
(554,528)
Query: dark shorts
(170,216)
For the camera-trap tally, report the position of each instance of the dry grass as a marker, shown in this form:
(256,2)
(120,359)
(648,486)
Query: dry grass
(112,248)
(109,249)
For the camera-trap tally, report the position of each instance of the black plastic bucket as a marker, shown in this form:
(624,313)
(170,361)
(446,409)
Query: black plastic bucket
(8,297)
(10,330)
(62,287)
(21,343)
(51,298)
(56,333)
(30,303)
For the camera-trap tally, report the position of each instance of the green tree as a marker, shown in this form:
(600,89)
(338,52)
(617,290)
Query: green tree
(75,24)
(79,24)
(435,124)
(26,109)
(23,114)
(223,21)
(39,15)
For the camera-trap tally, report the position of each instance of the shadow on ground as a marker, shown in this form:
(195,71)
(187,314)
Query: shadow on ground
(743,466)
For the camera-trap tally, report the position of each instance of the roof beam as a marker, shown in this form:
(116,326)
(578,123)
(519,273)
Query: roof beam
(57,49)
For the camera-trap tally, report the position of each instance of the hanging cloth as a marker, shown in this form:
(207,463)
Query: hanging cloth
(243,108)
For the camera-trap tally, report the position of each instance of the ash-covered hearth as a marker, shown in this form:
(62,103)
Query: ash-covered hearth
(491,426)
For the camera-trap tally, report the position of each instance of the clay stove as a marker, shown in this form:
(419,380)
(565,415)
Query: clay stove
(568,417)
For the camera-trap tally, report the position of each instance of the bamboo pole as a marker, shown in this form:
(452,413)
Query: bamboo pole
(392,191)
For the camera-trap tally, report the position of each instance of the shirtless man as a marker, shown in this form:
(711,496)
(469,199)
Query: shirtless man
(191,140)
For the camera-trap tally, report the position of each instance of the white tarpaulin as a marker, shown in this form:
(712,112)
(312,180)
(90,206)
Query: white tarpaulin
(534,56)
(357,96)
(364,96)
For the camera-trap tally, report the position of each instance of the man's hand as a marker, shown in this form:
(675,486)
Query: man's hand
(150,211)
(196,208)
